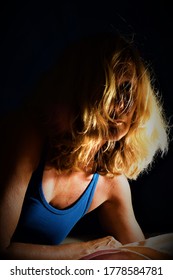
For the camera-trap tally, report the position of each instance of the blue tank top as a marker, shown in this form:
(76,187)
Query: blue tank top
(40,223)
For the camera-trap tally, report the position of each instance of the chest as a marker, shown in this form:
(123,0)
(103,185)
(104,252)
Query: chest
(64,190)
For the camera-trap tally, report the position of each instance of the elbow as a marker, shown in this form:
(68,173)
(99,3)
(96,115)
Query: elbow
(6,252)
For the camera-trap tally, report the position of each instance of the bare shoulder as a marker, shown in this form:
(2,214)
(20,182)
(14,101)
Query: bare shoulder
(20,149)
(116,187)
(116,213)
(20,153)
(21,142)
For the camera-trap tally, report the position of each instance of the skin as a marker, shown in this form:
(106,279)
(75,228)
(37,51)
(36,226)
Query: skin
(112,198)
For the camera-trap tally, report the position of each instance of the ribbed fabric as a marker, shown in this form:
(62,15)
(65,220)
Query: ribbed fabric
(40,223)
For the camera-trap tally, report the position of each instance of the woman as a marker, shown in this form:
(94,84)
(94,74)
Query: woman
(93,123)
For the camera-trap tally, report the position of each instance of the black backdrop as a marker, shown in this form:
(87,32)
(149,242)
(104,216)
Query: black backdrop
(33,35)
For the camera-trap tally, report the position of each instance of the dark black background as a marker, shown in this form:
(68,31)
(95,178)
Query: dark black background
(33,34)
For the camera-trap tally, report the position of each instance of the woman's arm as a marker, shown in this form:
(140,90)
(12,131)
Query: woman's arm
(71,251)
(116,214)
(20,152)
(17,165)
(10,208)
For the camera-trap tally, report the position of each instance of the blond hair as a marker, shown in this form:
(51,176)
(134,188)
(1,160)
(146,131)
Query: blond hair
(102,78)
